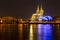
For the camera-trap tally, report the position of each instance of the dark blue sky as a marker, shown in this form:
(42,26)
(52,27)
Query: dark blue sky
(25,8)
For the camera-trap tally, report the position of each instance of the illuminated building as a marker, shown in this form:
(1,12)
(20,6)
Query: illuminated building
(8,19)
(39,13)
(45,18)
(56,19)
(0,20)
(20,20)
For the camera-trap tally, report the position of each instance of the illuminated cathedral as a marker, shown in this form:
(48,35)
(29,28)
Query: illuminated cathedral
(39,13)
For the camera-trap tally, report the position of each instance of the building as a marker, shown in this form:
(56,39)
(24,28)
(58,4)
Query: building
(39,13)
(8,19)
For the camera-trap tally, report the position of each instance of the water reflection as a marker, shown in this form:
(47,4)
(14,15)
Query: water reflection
(31,33)
(44,32)
(39,34)
(20,31)
(8,32)
(47,32)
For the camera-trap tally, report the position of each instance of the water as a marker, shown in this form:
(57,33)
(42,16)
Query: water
(29,31)
(8,32)
(41,32)
(47,32)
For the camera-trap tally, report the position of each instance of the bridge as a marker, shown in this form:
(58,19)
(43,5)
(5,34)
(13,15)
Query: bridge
(39,22)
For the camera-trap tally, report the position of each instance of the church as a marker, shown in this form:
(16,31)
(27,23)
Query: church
(39,13)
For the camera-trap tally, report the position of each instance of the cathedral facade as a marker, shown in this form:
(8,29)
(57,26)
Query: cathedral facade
(39,13)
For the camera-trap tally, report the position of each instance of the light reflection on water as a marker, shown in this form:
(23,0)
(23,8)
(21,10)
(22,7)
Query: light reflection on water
(44,32)
(8,32)
(29,32)
(47,32)
(39,34)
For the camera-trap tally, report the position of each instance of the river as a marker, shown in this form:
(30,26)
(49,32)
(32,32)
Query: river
(29,31)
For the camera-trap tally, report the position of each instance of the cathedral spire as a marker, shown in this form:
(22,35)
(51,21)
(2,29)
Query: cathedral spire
(41,11)
(37,11)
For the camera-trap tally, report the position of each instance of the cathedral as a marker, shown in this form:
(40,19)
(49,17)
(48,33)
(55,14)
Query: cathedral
(39,13)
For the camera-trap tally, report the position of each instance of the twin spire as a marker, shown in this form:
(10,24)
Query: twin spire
(39,13)
(40,10)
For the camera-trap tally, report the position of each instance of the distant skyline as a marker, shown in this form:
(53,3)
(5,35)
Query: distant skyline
(25,8)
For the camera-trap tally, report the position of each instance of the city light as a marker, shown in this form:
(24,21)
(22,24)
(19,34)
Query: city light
(38,27)
(45,18)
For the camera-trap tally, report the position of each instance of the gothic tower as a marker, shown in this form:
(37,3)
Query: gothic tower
(39,13)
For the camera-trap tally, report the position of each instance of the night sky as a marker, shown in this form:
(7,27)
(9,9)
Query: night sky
(25,8)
